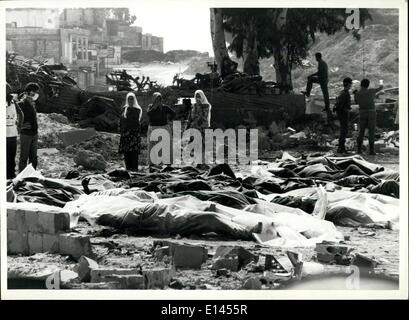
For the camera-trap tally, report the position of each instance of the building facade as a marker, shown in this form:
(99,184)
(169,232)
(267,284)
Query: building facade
(33,17)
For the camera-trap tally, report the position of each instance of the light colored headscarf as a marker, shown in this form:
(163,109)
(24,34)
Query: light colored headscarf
(157,99)
(135,105)
(204,101)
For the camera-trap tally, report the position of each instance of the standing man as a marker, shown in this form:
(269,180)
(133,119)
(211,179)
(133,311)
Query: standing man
(29,127)
(342,107)
(321,77)
(365,98)
(13,120)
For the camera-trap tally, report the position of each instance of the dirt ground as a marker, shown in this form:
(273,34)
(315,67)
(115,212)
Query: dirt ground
(114,249)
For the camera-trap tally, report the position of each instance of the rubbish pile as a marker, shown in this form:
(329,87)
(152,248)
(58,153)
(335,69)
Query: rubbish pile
(51,78)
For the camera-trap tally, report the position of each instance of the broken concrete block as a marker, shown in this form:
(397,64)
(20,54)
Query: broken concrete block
(66,278)
(95,286)
(134,281)
(76,136)
(189,256)
(90,160)
(244,256)
(100,274)
(17,220)
(67,275)
(35,242)
(226,262)
(11,220)
(75,245)
(32,222)
(52,222)
(17,242)
(329,252)
(158,278)
(85,265)
(51,243)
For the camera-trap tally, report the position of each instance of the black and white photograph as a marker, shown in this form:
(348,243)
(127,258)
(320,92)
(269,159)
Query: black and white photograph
(204,149)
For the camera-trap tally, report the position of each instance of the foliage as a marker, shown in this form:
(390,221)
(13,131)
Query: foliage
(298,33)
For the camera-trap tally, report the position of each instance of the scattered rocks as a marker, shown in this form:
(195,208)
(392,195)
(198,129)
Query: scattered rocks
(90,160)
(244,256)
(333,253)
(222,272)
(229,262)
(75,245)
(252,284)
(183,255)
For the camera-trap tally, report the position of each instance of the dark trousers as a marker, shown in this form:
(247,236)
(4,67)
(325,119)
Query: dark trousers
(343,117)
(11,150)
(324,88)
(131,160)
(367,120)
(28,151)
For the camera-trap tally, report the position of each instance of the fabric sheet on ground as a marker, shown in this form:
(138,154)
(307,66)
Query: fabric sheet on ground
(288,199)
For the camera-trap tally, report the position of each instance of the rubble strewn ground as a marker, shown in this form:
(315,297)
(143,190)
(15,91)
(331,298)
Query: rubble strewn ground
(136,262)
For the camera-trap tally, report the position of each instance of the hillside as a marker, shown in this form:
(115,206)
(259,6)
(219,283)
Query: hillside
(377,53)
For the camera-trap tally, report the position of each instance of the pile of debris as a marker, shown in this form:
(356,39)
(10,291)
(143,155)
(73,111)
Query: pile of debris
(385,143)
(52,79)
(314,133)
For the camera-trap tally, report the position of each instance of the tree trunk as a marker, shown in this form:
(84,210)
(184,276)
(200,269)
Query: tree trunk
(250,51)
(282,64)
(218,37)
(250,55)
(282,67)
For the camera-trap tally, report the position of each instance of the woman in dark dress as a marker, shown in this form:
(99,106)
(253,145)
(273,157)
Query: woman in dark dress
(159,116)
(130,141)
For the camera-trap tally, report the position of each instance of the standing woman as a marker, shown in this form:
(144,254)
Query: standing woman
(130,129)
(200,114)
(14,119)
(159,116)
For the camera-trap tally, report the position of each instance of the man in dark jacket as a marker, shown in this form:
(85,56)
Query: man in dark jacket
(365,98)
(342,107)
(29,126)
(321,77)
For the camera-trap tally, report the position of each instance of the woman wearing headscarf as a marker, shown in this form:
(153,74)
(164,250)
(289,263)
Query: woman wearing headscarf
(200,114)
(130,130)
(159,116)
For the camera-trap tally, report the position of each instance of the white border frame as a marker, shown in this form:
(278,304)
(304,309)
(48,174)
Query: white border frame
(402,293)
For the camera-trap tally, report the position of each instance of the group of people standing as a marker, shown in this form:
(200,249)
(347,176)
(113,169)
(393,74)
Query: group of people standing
(364,97)
(21,119)
(159,116)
